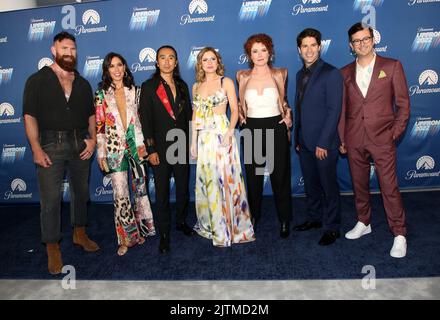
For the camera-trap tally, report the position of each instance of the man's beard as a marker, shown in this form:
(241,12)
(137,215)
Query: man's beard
(65,64)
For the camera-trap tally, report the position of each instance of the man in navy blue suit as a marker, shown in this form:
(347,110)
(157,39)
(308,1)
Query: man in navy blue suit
(318,104)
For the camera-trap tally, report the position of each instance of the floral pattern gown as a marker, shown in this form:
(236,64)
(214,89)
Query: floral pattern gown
(221,203)
(124,150)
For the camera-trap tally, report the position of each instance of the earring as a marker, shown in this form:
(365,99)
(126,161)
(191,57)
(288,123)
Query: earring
(125,74)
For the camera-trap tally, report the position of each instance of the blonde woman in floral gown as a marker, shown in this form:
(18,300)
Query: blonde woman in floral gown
(221,203)
(121,148)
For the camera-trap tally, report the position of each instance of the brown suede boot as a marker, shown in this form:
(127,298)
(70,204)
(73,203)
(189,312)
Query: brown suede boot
(80,238)
(54,262)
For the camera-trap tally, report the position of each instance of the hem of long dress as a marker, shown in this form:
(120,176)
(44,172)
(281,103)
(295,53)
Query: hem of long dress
(149,234)
(209,236)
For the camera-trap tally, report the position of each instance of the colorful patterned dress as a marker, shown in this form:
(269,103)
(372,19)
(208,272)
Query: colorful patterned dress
(123,150)
(221,203)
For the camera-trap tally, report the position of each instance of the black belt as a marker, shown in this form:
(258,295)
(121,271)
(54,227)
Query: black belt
(81,133)
(56,135)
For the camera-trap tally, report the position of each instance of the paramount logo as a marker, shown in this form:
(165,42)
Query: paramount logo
(44,62)
(106,188)
(428,77)
(243,58)
(427,80)
(90,18)
(147,61)
(18,189)
(424,163)
(7,112)
(308,6)
(197,7)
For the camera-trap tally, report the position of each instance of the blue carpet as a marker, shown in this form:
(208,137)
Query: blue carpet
(267,258)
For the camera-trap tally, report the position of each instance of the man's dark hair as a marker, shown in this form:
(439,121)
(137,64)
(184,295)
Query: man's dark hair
(63,35)
(359,26)
(309,32)
(176,74)
(176,71)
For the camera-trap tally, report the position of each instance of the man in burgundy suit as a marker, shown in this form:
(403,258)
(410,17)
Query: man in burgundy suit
(375,112)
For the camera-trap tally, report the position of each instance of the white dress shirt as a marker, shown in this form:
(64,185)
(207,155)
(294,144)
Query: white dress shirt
(363,75)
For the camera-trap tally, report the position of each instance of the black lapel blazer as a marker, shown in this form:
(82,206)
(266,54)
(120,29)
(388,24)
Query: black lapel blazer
(155,119)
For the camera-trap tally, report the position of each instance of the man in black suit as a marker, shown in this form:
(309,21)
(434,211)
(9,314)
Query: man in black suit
(165,105)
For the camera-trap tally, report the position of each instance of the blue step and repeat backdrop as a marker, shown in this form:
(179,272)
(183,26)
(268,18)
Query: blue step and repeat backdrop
(408,30)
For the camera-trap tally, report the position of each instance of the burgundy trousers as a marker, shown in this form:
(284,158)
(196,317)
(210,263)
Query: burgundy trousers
(384,158)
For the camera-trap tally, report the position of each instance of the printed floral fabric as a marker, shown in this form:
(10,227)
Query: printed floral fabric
(221,203)
(124,149)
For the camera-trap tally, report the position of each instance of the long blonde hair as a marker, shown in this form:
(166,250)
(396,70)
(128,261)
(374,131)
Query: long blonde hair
(200,74)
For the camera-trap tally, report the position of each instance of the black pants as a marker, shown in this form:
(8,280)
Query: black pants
(279,177)
(162,175)
(63,149)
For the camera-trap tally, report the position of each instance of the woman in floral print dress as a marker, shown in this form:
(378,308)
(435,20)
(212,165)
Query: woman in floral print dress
(221,203)
(121,147)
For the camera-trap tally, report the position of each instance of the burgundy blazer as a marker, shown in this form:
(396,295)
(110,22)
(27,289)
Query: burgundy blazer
(384,112)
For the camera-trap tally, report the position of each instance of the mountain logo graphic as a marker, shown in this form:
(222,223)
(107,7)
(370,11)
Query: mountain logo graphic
(428,78)
(377,36)
(425,163)
(198,6)
(44,62)
(6,110)
(18,185)
(107,181)
(147,54)
(91,17)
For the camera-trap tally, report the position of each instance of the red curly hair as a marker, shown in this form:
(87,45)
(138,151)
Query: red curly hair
(260,38)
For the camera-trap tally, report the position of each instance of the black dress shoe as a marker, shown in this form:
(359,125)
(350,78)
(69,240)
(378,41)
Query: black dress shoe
(164,245)
(187,230)
(308,225)
(329,237)
(285,230)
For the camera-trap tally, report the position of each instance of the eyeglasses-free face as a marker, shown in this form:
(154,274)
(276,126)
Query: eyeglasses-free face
(309,50)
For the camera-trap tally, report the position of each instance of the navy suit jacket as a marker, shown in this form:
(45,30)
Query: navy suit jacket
(320,108)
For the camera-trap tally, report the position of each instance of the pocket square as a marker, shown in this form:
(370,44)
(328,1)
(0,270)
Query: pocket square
(382,74)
